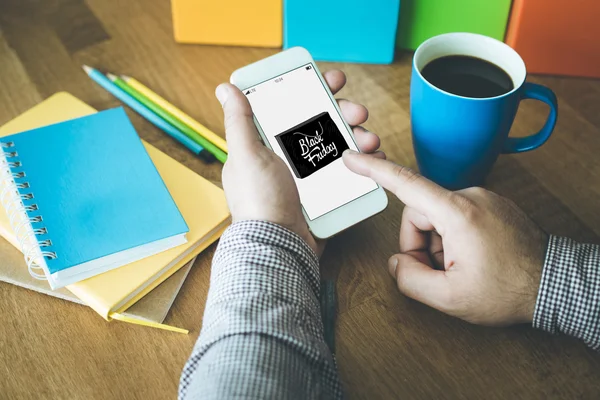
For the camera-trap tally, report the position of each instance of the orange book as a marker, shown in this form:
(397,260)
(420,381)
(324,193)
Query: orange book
(256,23)
(558,37)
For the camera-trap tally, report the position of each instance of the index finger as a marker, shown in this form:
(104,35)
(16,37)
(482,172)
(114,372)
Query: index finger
(411,188)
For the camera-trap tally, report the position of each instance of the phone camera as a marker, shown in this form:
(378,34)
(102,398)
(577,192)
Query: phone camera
(309,67)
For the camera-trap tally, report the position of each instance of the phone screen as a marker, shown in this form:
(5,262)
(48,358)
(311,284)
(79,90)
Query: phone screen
(305,129)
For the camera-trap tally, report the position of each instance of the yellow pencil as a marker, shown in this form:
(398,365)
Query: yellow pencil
(177,113)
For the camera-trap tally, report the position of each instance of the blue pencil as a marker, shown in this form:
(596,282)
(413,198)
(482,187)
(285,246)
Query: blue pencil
(160,123)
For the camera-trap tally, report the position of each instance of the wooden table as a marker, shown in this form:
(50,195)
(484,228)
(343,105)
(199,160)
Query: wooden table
(387,346)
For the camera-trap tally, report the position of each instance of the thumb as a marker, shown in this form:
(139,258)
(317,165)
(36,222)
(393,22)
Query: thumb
(419,281)
(240,130)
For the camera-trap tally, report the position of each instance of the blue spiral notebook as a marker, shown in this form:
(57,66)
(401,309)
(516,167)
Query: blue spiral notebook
(84,197)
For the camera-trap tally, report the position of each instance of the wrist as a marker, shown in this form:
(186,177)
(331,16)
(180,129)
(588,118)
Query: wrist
(533,276)
(301,233)
(300,229)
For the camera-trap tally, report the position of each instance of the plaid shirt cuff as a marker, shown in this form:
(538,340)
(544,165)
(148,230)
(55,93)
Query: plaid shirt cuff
(569,296)
(262,333)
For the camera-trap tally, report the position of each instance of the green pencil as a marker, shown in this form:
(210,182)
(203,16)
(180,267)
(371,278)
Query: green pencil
(208,146)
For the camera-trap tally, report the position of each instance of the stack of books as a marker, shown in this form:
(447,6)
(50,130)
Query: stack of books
(100,216)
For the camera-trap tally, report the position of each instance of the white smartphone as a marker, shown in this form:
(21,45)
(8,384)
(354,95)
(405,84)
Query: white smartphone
(299,119)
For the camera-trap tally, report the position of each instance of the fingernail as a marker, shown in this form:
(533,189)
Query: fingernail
(349,151)
(222,93)
(392,265)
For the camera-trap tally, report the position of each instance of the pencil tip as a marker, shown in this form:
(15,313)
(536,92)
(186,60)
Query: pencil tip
(87,69)
(125,78)
(112,77)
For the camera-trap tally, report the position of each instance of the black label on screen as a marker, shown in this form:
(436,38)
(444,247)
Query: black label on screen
(312,145)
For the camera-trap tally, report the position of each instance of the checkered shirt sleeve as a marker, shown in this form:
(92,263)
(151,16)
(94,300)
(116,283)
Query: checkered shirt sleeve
(262,334)
(569,296)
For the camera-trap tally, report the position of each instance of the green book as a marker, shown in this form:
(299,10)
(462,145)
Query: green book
(422,19)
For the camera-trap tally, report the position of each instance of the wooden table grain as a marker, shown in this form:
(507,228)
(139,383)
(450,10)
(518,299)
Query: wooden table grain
(387,346)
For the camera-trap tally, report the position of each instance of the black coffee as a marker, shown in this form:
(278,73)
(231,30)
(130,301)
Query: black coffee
(468,76)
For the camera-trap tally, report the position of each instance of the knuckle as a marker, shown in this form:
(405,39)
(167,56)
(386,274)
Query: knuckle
(466,207)
(478,195)
(234,119)
(458,200)
(263,158)
(230,120)
(405,174)
(476,192)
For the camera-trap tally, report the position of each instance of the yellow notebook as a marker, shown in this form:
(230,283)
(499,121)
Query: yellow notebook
(201,203)
(229,22)
(153,307)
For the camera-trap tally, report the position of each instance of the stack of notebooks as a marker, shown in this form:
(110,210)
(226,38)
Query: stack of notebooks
(101,216)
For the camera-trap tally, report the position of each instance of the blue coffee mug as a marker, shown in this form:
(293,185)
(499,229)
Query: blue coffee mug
(457,139)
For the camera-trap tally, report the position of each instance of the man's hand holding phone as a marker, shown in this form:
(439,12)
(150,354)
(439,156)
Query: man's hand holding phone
(471,254)
(258,185)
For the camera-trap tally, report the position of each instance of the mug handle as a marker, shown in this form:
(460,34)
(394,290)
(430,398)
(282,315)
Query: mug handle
(541,93)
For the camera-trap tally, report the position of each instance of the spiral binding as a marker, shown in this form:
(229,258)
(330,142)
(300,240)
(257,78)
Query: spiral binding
(19,214)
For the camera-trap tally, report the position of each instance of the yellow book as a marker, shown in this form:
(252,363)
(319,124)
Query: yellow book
(153,307)
(201,203)
(229,22)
